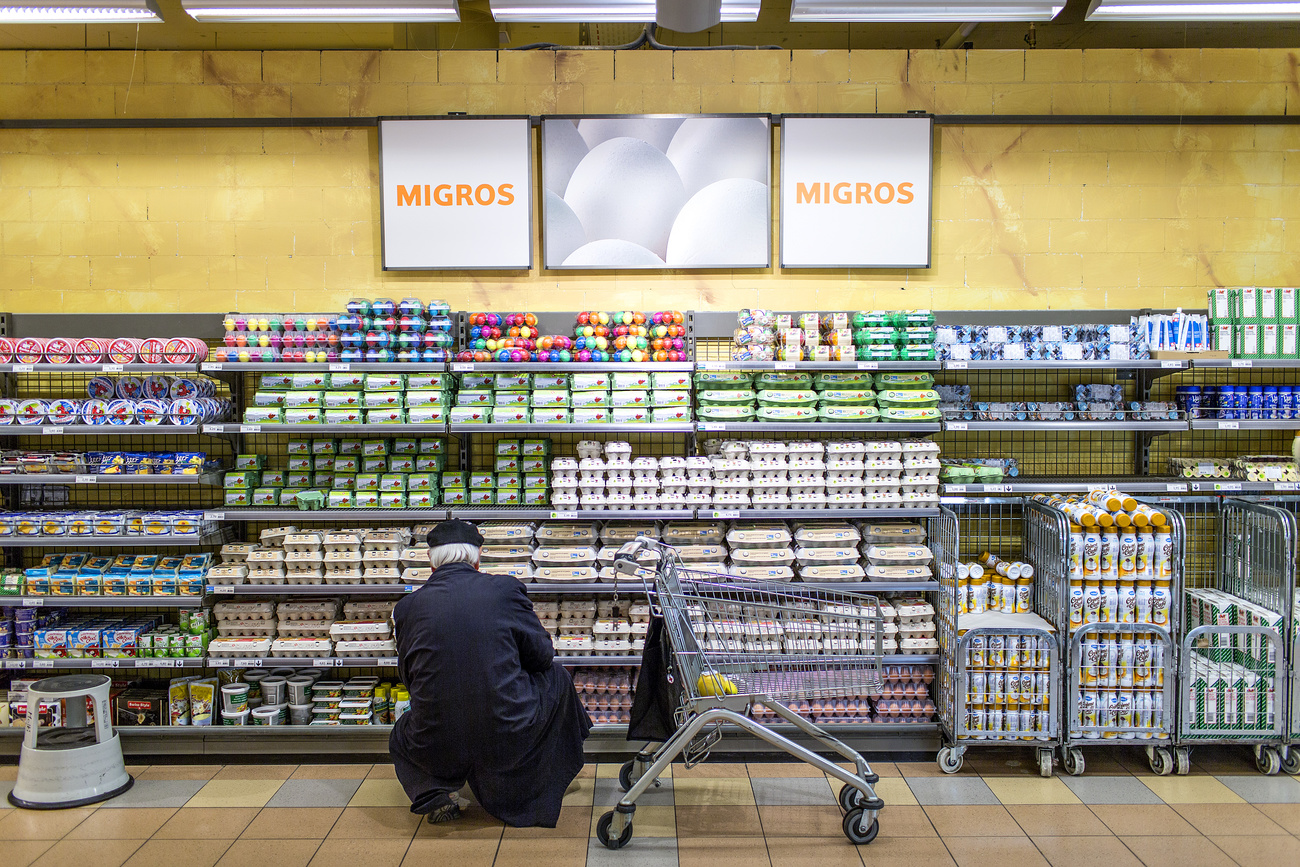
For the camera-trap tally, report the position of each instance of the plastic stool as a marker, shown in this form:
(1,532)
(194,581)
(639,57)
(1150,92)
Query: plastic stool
(79,763)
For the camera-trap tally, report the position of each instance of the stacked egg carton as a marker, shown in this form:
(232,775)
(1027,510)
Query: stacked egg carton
(363,638)
(244,629)
(613,536)
(701,545)
(895,552)
(607,477)
(606,693)
(303,628)
(565,553)
(414,561)
(507,548)
(905,698)
(827,552)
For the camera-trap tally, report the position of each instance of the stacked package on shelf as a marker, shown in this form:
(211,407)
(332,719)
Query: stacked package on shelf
(107,463)
(701,545)
(511,337)
(520,476)
(565,553)
(148,401)
(1265,468)
(507,548)
(1254,322)
(762,335)
(606,693)
(905,698)
(605,476)
(629,336)
(82,573)
(594,627)
(982,471)
(350,398)
(285,555)
(1008,688)
(1233,672)
(1092,402)
(375,331)
(82,635)
(1041,342)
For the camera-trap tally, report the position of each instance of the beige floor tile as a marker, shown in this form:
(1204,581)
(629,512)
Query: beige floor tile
(382,771)
(180,772)
(40,824)
(1255,851)
(136,770)
(137,823)
(693,821)
(931,769)
(607,770)
(896,821)
(722,852)
(461,853)
(21,853)
(285,823)
(557,852)
(573,822)
(1058,820)
(388,822)
(881,769)
(1177,851)
(588,772)
(893,851)
(1142,820)
(1104,851)
(331,772)
(713,791)
(813,852)
(583,793)
(235,793)
(783,769)
(372,852)
(89,853)
(202,823)
(256,772)
(1002,762)
(648,822)
(474,824)
(1192,790)
(982,851)
(1228,819)
(1031,790)
(975,820)
(8,773)
(171,853)
(281,853)
(1286,815)
(709,769)
(892,790)
(380,793)
(801,821)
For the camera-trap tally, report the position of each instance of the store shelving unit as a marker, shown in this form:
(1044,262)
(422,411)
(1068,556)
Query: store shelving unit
(101,601)
(203,480)
(74,542)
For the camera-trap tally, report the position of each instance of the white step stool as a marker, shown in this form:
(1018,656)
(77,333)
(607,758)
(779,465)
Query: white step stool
(79,763)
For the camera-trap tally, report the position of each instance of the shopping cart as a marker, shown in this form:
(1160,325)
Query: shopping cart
(737,643)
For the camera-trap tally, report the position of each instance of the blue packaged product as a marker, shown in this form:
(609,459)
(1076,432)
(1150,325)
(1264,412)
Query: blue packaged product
(1270,401)
(1255,397)
(1286,401)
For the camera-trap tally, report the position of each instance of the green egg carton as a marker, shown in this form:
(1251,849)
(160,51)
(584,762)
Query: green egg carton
(723,379)
(724,413)
(786,397)
(910,414)
(846,413)
(310,501)
(848,396)
(727,397)
(957,474)
(903,380)
(782,379)
(843,379)
(785,414)
(908,397)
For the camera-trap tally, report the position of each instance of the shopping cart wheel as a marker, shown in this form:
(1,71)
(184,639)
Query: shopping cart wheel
(1268,761)
(851,830)
(1291,761)
(950,760)
(625,779)
(1183,761)
(1072,761)
(1044,763)
(602,832)
(853,799)
(1162,761)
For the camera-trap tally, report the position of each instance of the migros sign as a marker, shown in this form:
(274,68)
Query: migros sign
(859,193)
(454,195)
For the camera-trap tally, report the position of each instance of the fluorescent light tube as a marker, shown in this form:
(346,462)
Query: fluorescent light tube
(90,12)
(1181,10)
(327,11)
(924,10)
(605,11)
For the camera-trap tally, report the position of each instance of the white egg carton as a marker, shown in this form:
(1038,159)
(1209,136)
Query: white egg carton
(807,463)
(918,646)
(731,483)
(557,533)
(564,498)
(846,447)
(595,502)
(415,555)
(307,609)
(672,477)
(899,573)
(274,536)
(251,648)
(762,556)
(513,532)
(264,557)
(770,498)
(619,501)
(611,627)
(842,646)
(765,463)
(643,465)
(808,499)
(302,648)
(916,629)
(843,483)
(619,484)
(351,649)
(595,464)
(878,464)
(675,463)
(649,482)
(829,574)
(335,542)
(770,479)
(763,645)
(885,499)
(361,630)
(590,449)
(244,611)
(339,560)
(509,553)
(733,449)
(768,447)
(416,574)
(804,477)
(304,628)
(572,645)
(382,575)
(730,468)
(267,576)
(618,447)
(564,482)
(847,473)
(699,464)
(724,645)
(302,542)
(384,542)
(921,462)
(921,499)
(227,574)
(882,447)
(759,535)
(845,499)
(246,628)
(645,501)
(699,496)
(809,646)
(235,553)
(565,574)
(730,499)
(919,446)
(806,490)
(564,465)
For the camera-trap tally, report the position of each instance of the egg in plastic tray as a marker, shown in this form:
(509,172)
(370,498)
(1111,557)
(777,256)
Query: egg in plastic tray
(365,648)
(416,574)
(337,542)
(565,575)
(227,574)
(307,609)
(239,647)
(838,573)
(302,542)
(505,553)
(236,552)
(899,555)
(899,573)
(572,645)
(382,575)
(554,533)
(304,628)
(246,628)
(244,611)
(302,648)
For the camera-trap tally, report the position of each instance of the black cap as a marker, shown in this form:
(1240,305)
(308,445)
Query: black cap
(455,533)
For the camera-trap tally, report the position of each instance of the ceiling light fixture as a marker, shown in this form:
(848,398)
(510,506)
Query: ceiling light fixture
(325,11)
(924,10)
(87,12)
(606,11)
(1182,10)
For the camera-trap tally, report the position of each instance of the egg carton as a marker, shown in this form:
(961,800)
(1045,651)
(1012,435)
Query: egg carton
(561,533)
(382,575)
(381,559)
(782,556)
(804,477)
(267,576)
(699,464)
(384,542)
(302,648)
(909,690)
(769,482)
(305,576)
(650,482)
(342,542)
(417,574)
(611,627)
(564,465)
(368,610)
(565,574)
(759,535)
(832,574)
(246,628)
(518,571)
(564,482)
(730,499)
(885,499)
(617,447)
(572,645)
(803,489)
(274,537)
(808,500)
(263,556)
(592,485)
(361,630)
(235,553)
(672,464)
(807,463)
(511,532)
(607,702)
(892,533)
(302,542)
(618,477)
(345,577)
(227,574)
(415,556)
(244,611)
(845,499)
(770,498)
(916,629)
(919,447)
(304,628)
(644,465)
(907,673)
(590,449)
(768,464)
(351,649)
(899,573)
(672,477)
(249,648)
(921,462)
(844,475)
(564,498)
(307,609)
(507,553)
(918,499)
(593,502)
(918,646)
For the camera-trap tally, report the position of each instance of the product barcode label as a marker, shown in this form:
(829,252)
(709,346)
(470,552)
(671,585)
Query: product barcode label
(1178,487)
(1229,425)
(340,367)
(1242,362)
(33,603)
(103,663)
(55,431)
(250,428)
(386,662)
(727,514)
(955,489)
(783,365)
(956,425)
(1286,486)
(1171,365)
(224,589)
(564,516)
(87,480)
(42,663)
(324,663)
(868,365)
(462,367)
(1227,486)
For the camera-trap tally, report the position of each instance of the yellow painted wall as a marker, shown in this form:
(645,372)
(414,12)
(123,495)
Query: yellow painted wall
(288,219)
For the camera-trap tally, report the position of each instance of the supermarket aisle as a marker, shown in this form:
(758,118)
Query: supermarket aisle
(716,815)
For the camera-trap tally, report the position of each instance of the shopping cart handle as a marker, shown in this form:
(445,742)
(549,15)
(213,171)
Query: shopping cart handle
(625,561)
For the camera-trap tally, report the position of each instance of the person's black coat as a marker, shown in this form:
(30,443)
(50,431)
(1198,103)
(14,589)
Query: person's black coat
(489,704)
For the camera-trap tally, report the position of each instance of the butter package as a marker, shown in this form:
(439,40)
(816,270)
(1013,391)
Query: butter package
(455,496)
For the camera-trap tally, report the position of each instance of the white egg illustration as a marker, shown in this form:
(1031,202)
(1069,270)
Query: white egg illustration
(657,131)
(724,224)
(564,232)
(562,149)
(613,253)
(708,149)
(626,189)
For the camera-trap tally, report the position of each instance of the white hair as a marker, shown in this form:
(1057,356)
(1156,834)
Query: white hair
(459,552)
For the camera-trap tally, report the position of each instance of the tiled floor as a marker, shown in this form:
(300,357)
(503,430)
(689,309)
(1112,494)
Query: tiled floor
(719,814)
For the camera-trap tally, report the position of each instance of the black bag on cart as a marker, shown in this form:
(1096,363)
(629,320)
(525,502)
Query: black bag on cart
(658,692)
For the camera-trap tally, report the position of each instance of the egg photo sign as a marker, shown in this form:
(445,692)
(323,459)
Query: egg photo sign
(656,192)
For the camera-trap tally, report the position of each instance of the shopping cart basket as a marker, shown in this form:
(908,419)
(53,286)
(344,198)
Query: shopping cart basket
(737,643)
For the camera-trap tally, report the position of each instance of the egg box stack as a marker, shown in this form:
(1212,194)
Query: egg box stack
(376,330)
(510,337)
(905,698)
(606,693)
(520,476)
(285,555)
(762,335)
(983,471)
(1088,342)
(1092,402)
(793,474)
(82,573)
(829,551)
(629,335)
(580,398)
(350,398)
(300,629)
(605,476)
(594,627)
(789,396)
(376,473)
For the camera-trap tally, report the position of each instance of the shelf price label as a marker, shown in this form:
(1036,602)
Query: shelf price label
(1227,486)
(711,365)
(564,516)
(957,365)
(1286,486)
(1172,365)
(325,663)
(1177,487)
(214,366)
(103,663)
(783,365)
(250,428)
(52,431)
(1229,425)
(157,663)
(15,663)
(214,516)
(462,367)
(42,663)
(29,602)
(246,663)
(954,489)
(727,514)
(216,428)
(711,426)
(340,367)
(956,425)
(868,365)
(1243,362)
(224,589)
(386,662)
(22,368)
(111,368)
(997,489)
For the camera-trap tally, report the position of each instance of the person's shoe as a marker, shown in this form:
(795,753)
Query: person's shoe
(445,809)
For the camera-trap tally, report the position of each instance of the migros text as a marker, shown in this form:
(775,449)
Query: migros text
(860,193)
(453,195)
